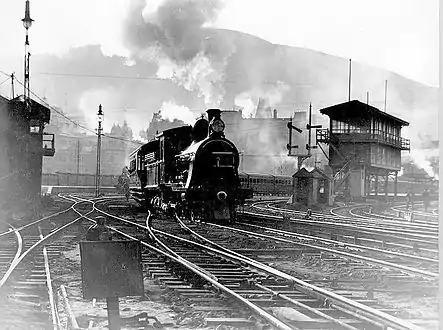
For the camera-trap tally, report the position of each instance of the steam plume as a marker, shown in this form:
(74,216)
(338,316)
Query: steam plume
(170,111)
(175,35)
(248,100)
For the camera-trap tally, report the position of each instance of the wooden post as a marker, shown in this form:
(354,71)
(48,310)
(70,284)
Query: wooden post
(113,313)
(395,186)
(386,185)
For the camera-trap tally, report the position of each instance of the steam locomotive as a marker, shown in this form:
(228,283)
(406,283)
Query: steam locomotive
(192,170)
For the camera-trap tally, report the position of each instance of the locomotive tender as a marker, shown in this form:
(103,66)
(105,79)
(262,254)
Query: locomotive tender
(193,170)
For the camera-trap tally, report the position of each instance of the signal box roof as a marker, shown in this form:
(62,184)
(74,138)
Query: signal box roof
(354,110)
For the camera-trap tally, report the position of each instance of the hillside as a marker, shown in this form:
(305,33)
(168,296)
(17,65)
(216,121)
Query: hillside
(289,77)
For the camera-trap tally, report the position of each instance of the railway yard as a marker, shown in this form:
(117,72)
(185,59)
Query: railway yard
(360,266)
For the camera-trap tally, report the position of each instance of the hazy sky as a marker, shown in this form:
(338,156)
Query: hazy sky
(399,35)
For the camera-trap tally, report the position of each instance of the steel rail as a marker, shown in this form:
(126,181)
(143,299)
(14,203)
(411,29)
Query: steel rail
(357,228)
(406,269)
(35,245)
(402,224)
(309,222)
(71,316)
(52,303)
(360,247)
(195,269)
(306,307)
(294,302)
(169,250)
(17,254)
(306,288)
(326,295)
(425,214)
(39,220)
(369,220)
(395,219)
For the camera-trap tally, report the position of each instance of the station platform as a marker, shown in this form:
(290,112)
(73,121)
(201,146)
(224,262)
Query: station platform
(54,190)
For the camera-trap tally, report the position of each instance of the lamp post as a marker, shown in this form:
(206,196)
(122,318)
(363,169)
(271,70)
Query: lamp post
(100,117)
(27,23)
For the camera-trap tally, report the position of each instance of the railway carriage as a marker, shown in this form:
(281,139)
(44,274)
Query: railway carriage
(267,184)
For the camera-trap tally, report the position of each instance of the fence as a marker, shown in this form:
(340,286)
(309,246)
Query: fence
(77,179)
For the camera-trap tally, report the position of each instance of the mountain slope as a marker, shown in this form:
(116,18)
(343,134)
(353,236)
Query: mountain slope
(289,77)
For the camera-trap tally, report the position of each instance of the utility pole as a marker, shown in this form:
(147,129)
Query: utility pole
(27,23)
(78,156)
(100,117)
(309,127)
(12,86)
(349,83)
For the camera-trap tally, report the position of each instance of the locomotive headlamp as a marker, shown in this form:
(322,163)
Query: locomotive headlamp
(218,125)
(221,195)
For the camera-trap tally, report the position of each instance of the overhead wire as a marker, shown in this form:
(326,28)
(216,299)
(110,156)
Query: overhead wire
(114,77)
(87,75)
(77,124)
(5,81)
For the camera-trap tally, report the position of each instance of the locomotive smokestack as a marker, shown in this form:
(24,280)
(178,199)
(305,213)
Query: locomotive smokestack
(213,113)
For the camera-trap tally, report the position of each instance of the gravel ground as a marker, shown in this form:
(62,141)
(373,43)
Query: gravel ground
(66,270)
(312,267)
(174,313)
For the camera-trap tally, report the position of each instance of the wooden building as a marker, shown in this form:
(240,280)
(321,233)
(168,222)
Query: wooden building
(311,187)
(365,147)
(24,144)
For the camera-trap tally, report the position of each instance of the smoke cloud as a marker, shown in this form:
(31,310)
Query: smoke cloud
(421,159)
(175,34)
(170,111)
(272,95)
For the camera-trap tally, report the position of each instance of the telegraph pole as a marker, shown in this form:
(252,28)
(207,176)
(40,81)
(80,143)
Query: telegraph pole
(309,127)
(100,117)
(12,86)
(78,156)
(27,23)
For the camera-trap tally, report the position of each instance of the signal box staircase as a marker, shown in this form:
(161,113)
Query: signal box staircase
(339,178)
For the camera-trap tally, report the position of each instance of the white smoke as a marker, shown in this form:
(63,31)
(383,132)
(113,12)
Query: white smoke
(402,170)
(419,158)
(199,74)
(272,94)
(170,111)
(246,104)
(175,35)
(307,167)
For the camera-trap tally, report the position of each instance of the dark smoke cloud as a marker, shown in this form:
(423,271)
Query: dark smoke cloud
(177,27)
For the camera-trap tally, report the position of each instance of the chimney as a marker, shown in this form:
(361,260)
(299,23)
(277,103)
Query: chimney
(213,113)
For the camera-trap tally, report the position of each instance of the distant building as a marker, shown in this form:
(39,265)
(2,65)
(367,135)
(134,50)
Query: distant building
(77,153)
(262,141)
(158,124)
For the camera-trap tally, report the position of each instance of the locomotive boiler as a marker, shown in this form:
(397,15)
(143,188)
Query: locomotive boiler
(192,170)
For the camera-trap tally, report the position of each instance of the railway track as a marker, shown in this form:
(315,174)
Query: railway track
(257,287)
(365,212)
(28,299)
(418,240)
